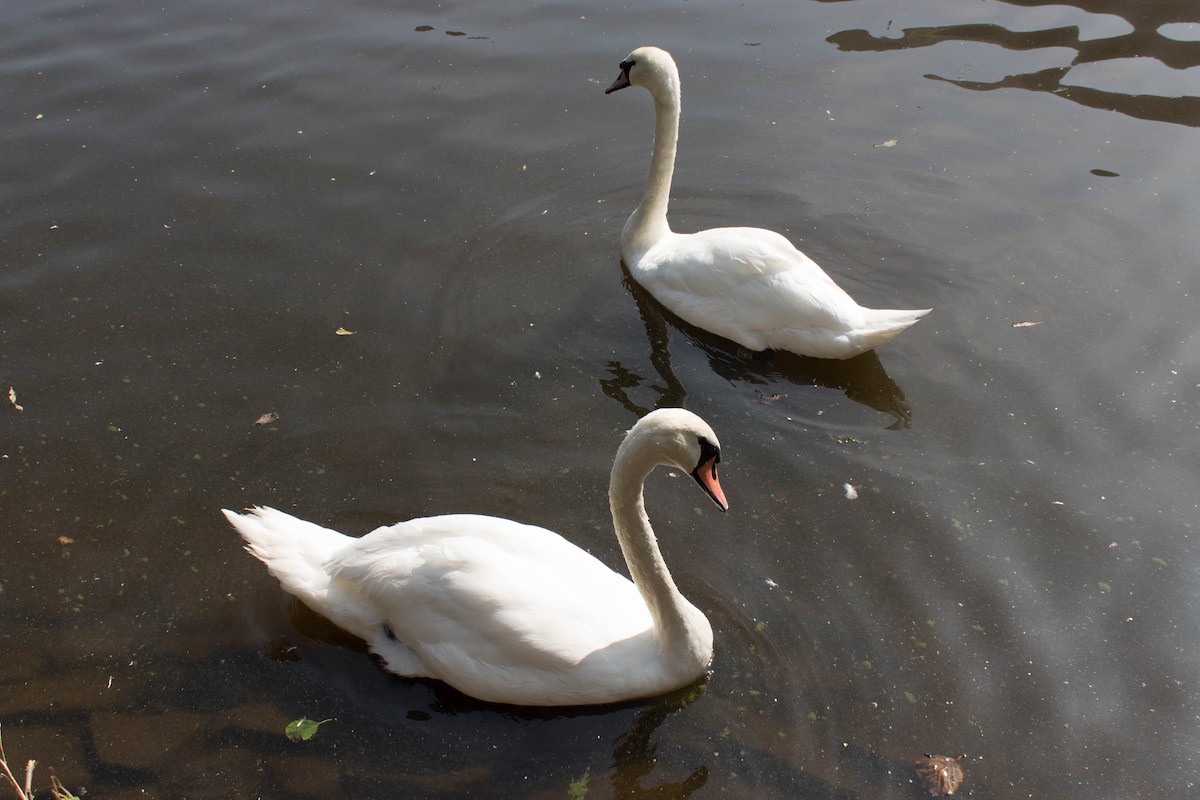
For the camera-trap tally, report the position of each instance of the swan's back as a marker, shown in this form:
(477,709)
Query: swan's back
(491,578)
(754,287)
(504,611)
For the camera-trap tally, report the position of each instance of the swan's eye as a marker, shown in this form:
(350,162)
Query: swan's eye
(709,451)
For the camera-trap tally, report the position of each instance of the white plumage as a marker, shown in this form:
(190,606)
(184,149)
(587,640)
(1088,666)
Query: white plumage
(747,284)
(507,612)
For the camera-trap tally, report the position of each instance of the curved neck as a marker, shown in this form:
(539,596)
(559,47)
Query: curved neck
(640,548)
(649,221)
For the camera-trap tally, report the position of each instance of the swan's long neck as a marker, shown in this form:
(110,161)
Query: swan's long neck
(649,221)
(668,608)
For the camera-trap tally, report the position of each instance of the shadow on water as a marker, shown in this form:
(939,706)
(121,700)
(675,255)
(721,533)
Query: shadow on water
(1145,41)
(862,378)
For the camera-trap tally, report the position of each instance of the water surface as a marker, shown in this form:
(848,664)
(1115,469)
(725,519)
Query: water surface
(196,197)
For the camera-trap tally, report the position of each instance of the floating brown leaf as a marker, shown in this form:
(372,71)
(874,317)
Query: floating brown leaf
(267,418)
(1025,324)
(65,540)
(344,332)
(939,775)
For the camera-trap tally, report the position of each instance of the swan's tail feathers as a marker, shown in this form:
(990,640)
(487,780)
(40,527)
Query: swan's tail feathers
(295,552)
(883,324)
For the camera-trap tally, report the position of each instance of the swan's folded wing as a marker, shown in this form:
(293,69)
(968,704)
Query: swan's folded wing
(745,283)
(464,589)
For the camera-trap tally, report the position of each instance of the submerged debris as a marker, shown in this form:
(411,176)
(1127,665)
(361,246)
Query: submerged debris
(939,775)
(281,650)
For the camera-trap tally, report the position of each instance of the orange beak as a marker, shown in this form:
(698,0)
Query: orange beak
(706,476)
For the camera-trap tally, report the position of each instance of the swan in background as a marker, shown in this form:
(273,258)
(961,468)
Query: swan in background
(513,613)
(746,284)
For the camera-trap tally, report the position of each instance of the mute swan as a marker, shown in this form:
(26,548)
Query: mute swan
(746,284)
(506,612)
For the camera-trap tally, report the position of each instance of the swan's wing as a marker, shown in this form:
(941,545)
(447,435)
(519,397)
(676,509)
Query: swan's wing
(744,283)
(471,592)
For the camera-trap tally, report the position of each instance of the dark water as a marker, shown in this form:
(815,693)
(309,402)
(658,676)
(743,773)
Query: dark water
(196,196)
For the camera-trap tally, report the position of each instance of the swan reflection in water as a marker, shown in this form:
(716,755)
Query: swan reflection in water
(634,753)
(634,759)
(862,378)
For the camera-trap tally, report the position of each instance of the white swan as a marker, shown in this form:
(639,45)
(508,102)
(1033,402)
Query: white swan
(746,284)
(506,612)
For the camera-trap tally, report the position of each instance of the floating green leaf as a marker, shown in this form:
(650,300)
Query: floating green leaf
(303,729)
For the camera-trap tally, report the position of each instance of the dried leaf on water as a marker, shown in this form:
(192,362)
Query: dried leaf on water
(267,418)
(939,775)
(888,143)
(303,729)
(344,332)
(766,399)
(12,398)
(1025,324)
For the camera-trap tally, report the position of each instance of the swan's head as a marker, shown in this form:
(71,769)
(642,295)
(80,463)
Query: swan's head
(675,437)
(649,67)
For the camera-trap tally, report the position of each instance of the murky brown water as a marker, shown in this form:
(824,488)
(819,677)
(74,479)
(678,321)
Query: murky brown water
(196,196)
